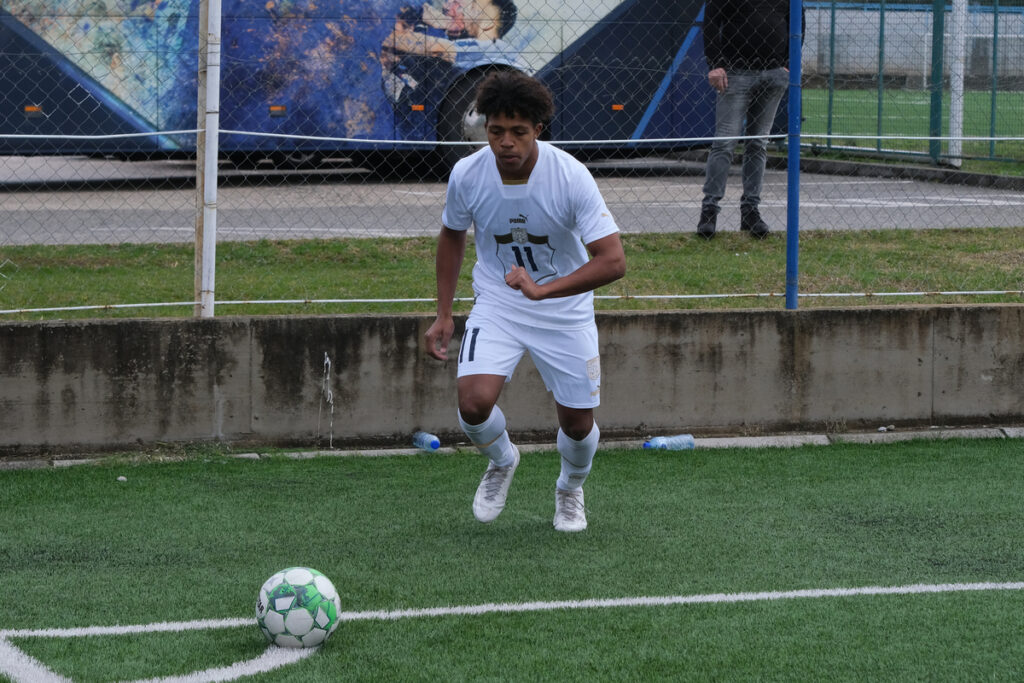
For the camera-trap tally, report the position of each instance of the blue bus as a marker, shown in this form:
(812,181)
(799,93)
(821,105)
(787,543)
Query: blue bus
(308,77)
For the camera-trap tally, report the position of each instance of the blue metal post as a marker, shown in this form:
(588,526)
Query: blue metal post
(995,80)
(831,71)
(881,75)
(793,154)
(935,110)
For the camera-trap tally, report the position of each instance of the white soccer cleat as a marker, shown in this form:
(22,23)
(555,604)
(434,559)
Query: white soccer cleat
(490,496)
(569,512)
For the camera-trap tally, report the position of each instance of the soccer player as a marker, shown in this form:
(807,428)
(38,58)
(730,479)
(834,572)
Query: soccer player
(537,214)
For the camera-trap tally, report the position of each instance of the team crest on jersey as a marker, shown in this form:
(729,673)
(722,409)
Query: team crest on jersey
(518,247)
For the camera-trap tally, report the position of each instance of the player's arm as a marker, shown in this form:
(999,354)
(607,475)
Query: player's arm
(451,249)
(607,264)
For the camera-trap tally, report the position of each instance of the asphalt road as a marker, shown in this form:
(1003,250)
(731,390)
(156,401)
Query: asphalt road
(82,201)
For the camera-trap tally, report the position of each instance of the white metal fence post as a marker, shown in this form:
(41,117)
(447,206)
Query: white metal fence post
(206,163)
(958,48)
(204,9)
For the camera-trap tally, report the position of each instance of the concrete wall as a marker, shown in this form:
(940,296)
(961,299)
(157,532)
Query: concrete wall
(95,385)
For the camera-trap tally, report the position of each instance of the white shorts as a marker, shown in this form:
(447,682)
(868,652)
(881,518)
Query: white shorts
(568,360)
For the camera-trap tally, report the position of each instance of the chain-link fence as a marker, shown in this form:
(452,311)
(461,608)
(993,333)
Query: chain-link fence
(885,78)
(340,120)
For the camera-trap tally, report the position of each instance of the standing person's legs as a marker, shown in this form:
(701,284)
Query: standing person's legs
(730,110)
(765,96)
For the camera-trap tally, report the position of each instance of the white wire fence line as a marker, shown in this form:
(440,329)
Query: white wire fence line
(604,297)
(112,136)
(623,142)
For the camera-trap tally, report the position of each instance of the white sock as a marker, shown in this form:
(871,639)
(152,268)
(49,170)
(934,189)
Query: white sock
(491,438)
(577,458)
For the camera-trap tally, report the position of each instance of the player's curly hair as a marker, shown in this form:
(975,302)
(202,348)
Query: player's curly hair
(513,93)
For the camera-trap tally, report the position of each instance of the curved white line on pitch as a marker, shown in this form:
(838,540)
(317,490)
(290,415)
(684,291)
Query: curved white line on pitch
(272,658)
(21,668)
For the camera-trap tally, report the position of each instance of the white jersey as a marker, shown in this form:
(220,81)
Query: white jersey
(541,225)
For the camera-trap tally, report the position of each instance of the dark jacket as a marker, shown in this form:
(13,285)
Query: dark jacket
(746,34)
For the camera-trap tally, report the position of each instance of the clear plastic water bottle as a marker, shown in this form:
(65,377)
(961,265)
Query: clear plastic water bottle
(426,441)
(678,442)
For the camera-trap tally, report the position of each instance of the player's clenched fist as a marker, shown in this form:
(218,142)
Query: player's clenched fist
(518,278)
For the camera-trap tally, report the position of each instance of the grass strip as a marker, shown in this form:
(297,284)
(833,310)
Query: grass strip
(872,262)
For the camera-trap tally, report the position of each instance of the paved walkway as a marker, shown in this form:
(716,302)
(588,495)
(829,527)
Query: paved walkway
(883,435)
(88,201)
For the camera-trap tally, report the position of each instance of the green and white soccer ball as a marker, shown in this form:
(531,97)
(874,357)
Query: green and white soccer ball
(298,607)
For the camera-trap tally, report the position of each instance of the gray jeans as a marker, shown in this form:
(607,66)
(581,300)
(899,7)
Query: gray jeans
(752,97)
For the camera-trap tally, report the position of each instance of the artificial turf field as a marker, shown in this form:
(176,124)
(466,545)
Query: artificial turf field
(842,562)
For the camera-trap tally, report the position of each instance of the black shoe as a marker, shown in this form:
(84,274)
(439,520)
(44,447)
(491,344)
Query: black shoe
(706,226)
(750,219)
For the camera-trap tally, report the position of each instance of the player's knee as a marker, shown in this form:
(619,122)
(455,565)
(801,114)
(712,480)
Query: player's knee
(576,434)
(474,410)
(477,397)
(578,426)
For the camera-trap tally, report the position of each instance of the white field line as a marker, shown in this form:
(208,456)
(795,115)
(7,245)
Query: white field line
(159,627)
(513,607)
(18,666)
(272,658)
(21,668)
(711,598)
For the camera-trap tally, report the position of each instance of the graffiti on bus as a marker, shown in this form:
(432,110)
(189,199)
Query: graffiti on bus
(346,74)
